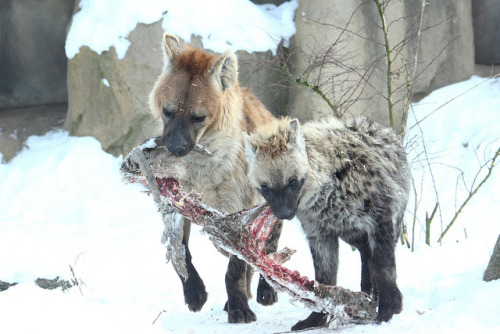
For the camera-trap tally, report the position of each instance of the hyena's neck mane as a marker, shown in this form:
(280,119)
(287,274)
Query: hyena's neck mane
(328,149)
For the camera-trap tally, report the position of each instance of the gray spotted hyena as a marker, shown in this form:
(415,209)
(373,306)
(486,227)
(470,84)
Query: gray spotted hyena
(347,180)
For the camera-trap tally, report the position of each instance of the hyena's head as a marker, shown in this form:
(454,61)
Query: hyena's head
(278,165)
(193,94)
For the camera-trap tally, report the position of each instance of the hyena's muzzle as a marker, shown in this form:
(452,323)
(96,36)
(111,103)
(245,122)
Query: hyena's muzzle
(180,132)
(283,200)
(177,139)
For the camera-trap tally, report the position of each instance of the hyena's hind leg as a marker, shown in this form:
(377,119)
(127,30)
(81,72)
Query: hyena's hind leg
(383,272)
(366,257)
(266,295)
(195,294)
(325,254)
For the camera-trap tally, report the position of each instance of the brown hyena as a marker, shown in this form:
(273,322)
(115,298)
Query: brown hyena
(347,180)
(201,104)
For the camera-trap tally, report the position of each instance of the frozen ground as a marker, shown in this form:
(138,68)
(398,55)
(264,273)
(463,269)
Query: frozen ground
(62,204)
(63,208)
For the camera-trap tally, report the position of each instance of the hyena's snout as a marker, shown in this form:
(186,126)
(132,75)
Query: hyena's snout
(177,140)
(283,200)
(284,213)
(177,145)
(282,207)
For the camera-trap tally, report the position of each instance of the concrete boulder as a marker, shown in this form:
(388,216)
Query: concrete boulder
(108,97)
(18,124)
(492,272)
(486,15)
(32,59)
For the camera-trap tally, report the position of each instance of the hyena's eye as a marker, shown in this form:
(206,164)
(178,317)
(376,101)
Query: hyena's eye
(293,183)
(264,189)
(167,113)
(198,119)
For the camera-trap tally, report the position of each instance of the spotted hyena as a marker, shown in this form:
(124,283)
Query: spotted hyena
(201,104)
(347,180)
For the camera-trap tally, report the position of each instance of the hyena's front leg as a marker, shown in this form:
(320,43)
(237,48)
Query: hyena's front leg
(236,286)
(266,295)
(383,271)
(325,254)
(195,294)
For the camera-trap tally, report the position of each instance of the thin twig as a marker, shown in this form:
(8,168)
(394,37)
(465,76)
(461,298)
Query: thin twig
(158,316)
(389,62)
(419,33)
(472,193)
(303,82)
(427,159)
(428,221)
(414,215)
(76,281)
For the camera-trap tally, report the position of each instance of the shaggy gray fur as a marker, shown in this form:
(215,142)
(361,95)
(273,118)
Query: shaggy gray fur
(347,180)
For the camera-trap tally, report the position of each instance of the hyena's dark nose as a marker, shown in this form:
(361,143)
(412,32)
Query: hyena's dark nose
(283,213)
(178,150)
(177,145)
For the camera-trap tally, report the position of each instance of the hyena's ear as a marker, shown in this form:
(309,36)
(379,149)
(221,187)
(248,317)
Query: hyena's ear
(294,125)
(294,130)
(296,140)
(171,46)
(225,70)
(249,149)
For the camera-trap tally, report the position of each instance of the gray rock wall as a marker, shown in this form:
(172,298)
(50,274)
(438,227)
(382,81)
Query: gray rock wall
(486,16)
(492,272)
(32,59)
(446,53)
(118,115)
(355,78)
(108,97)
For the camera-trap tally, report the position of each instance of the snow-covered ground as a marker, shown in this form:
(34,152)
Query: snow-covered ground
(64,209)
(62,204)
(460,137)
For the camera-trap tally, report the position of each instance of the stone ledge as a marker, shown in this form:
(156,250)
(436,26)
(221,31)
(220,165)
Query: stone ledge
(16,125)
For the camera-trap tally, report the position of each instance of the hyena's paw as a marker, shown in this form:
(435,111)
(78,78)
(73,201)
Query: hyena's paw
(242,314)
(266,295)
(315,319)
(195,294)
(389,304)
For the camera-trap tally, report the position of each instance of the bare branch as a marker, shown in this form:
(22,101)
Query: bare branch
(473,192)
(430,170)
(317,90)
(389,63)
(428,221)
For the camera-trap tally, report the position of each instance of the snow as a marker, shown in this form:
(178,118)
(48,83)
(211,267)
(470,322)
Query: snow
(460,137)
(62,205)
(236,24)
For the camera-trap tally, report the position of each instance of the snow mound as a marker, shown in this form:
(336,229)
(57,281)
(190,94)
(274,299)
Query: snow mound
(236,24)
